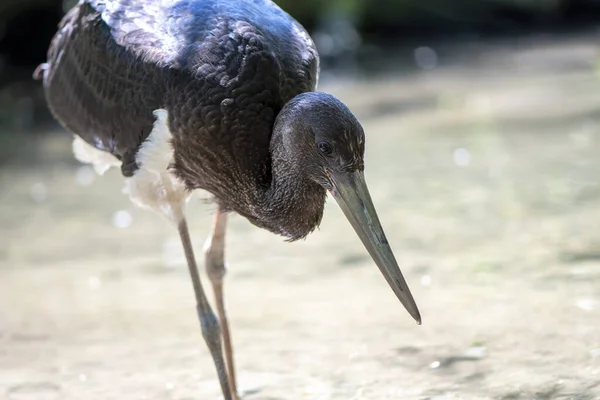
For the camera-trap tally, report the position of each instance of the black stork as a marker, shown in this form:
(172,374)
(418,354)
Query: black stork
(217,95)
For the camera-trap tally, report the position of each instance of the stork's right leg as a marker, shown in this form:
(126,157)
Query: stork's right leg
(214,251)
(208,321)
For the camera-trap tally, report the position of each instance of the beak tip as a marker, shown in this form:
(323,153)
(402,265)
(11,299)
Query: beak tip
(413,311)
(417,318)
(411,306)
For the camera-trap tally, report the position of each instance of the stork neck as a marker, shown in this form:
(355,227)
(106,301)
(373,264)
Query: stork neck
(293,204)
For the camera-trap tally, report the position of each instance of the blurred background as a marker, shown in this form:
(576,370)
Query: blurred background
(483,140)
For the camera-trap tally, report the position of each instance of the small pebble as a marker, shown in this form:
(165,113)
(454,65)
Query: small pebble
(122,219)
(85,176)
(588,304)
(426,58)
(475,353)
(426,280)
(94,282)
(461,157)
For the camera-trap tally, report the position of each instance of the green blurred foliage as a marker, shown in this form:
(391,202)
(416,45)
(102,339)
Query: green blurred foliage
(404,12)
(387,12)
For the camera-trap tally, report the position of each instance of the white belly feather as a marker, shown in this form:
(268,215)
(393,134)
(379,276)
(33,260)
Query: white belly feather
(153,186)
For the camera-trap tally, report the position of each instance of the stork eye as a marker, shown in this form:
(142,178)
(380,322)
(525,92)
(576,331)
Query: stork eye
(325,148)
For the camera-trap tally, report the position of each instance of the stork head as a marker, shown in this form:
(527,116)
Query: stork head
(328,143)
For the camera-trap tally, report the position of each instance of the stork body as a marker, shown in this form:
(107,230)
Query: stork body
(215,95)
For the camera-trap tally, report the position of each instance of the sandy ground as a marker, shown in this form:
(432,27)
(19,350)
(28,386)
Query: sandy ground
(485,175)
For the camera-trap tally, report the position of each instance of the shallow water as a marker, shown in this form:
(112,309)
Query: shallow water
(485,173)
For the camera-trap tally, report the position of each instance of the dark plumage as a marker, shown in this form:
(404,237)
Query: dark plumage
(237,79)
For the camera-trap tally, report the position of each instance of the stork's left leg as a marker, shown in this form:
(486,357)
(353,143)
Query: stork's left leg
(214,251)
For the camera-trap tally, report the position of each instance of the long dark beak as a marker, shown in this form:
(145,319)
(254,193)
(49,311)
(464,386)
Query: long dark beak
(351,193)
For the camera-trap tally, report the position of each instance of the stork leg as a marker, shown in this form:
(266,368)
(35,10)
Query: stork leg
(214,251)
(208,321)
